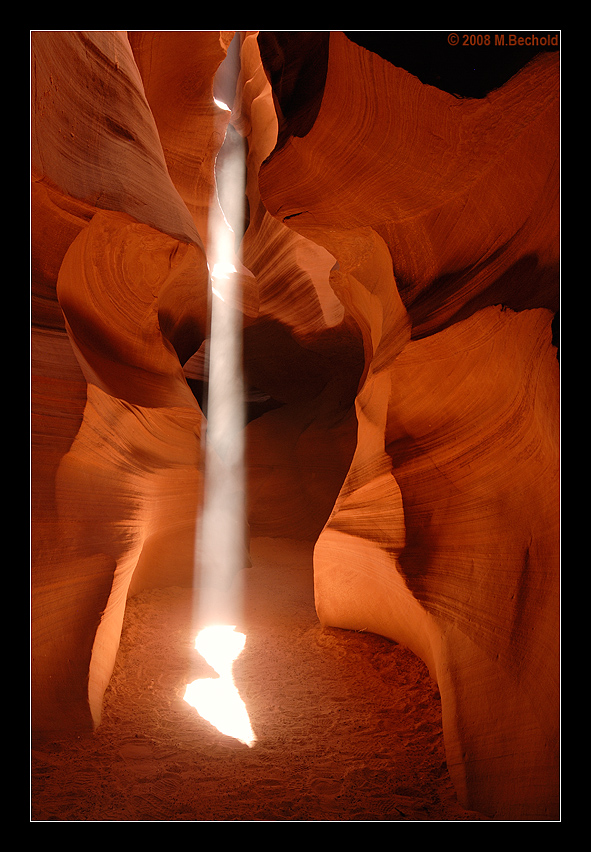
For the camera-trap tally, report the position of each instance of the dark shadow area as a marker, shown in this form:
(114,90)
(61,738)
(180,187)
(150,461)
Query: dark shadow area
(465,69)
(256,402)
(296,64)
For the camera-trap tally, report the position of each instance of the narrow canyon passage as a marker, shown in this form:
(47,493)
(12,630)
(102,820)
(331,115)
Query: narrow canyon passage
(395,236)
(348,724)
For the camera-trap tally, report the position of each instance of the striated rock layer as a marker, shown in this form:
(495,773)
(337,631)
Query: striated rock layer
(442,215)
(398,256)
(120,286)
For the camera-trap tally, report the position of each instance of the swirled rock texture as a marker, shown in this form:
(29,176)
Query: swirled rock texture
(398,254)
(442,215)
(120,287)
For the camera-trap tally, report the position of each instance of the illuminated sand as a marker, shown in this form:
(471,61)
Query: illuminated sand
(348,724)
(216,699)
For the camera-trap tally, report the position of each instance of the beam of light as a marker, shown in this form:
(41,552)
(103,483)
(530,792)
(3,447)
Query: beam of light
(222,541)
(217,293)
(221,270)
(216,699)
(223,521)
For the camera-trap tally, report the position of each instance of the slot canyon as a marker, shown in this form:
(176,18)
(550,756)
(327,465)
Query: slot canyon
(395,247)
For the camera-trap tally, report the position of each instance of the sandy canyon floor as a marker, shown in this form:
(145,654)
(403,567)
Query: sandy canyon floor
(348,724)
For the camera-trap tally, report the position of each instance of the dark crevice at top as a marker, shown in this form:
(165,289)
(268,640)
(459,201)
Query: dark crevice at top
(296,64)
(478,64)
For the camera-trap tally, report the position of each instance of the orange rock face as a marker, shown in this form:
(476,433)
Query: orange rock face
(398,259)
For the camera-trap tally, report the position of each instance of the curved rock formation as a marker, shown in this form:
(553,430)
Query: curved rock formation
(120,286)
(442,214)
(398,257)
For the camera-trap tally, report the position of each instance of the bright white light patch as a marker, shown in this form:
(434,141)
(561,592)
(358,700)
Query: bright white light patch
(223,270)
(216,699)
(222,105)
